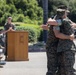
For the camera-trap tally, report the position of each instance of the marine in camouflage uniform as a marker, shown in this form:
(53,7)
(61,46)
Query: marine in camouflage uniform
(52,54)
(51,51)
(60,60)
(6,28)
(66,48)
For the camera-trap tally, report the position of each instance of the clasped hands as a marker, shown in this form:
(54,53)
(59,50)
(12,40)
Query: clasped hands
(10,29)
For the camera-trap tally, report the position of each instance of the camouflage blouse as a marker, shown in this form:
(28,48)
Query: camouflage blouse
(67,29)
(6,26)
(52,41)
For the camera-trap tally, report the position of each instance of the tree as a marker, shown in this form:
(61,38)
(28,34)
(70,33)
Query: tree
(23,7)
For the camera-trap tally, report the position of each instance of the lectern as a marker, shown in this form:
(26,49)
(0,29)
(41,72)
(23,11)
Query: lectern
(17,46)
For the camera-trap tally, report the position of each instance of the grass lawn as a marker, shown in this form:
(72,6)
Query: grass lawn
(18,24)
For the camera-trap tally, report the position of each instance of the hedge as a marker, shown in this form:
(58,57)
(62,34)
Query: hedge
(33,34)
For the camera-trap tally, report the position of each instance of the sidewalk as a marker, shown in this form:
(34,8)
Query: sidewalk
(35,66)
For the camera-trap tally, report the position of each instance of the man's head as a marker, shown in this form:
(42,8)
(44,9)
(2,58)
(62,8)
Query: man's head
(64,8)
(62,11)
(9,19)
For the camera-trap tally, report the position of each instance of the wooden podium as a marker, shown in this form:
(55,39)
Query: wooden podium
(17,46)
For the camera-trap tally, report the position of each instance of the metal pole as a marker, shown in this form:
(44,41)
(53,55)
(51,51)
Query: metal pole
(45,17)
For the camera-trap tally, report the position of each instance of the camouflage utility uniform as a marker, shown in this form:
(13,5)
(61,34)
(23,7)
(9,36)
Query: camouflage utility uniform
(66,48)
(6,27)
(51,51)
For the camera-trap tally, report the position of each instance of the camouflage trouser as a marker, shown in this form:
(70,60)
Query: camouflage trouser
(66,62)
(60,63)
(52,61)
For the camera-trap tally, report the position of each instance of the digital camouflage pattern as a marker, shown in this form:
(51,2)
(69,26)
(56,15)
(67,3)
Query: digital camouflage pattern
(60,62)
(67,44)
(60,53)
(66,48)
(51,51)
(6,27)
(66,62)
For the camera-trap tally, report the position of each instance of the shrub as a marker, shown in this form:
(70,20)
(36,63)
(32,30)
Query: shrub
(38,30)
(20,18)
(32,33)
(4,18)
(40,38)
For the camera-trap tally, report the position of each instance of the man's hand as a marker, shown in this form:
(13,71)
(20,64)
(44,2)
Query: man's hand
(52,21)
(72,37)
(10,29)
(73,25)
(45,27)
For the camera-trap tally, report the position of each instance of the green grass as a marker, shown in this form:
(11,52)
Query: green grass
(1,27)
(23,24)
(18,24)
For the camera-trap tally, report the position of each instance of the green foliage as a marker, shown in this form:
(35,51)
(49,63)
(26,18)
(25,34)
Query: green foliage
(73,16)
(4,18)
(36,30)
(20,4)
(32,33)
(72,8)
(20,18)
(12,9)
(27,20)
(53,4)
(9,1)
(30,11)
(1,13)
(21,10)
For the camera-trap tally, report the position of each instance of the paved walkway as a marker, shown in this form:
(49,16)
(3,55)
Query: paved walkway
(35,66)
